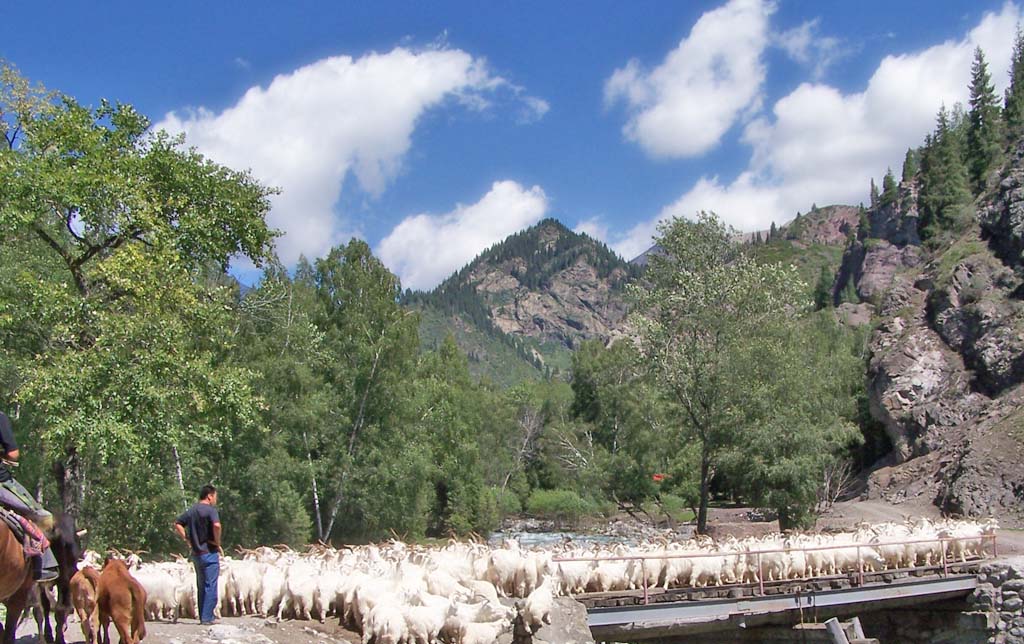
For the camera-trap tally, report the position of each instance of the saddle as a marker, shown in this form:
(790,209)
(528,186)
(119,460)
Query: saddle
(33,540)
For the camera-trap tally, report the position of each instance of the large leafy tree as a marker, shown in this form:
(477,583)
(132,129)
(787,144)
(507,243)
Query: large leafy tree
(631,450)
(370,466)
(123,226)
(804,378)
(705,303)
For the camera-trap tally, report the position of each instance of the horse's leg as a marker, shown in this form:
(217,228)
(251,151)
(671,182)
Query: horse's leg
(47,602)
(15,606)
(61,617)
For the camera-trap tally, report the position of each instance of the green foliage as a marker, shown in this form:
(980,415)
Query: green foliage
(849,294)
(563,506)
(808,259)
(507,502)
(863,224)
(805,379)
(910,165)
(944,181)
(1014,98)
(889,189)
(120,227)
(823,289)
(984,125)
(706,306)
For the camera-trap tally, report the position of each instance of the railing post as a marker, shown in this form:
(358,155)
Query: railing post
(643,571)
(942,546)
(860,567)
(760,574)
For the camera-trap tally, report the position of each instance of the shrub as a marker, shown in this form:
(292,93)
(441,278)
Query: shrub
(508,502)
(558,505)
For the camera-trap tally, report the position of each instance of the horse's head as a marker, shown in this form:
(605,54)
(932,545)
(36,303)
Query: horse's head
(66,542)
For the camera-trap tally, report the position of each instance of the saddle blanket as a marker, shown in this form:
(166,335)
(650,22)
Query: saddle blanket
(32,539)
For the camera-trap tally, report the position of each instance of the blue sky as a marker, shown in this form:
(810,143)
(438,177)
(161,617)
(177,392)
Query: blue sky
(435,129)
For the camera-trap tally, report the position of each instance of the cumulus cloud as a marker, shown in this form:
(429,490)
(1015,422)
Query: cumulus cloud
(805,46)
(684,106)
(596,227)
(424,249)
(311,129)
(822,146)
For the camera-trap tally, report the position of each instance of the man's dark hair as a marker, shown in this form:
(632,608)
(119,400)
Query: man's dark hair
(206,492)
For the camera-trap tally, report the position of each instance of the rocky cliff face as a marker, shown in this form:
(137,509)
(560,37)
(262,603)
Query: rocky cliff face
(544,291)
(574,293)
(947,355)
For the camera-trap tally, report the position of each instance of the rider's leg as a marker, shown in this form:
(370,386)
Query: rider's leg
(49,569)
(14,496)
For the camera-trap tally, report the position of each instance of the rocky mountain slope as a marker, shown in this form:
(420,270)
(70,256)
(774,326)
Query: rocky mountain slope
(541,292)
(946,368)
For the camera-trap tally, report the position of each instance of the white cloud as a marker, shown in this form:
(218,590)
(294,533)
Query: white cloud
(424,249)
(310,129)
(684,106)
(596,227)
(822,146)
(806,47)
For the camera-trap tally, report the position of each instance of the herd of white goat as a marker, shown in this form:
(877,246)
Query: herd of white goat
(395,593)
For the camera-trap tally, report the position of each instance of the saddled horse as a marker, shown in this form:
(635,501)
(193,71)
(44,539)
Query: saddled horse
(66,547)
(15,580)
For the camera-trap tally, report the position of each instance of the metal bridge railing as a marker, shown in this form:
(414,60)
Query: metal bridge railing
(941,542)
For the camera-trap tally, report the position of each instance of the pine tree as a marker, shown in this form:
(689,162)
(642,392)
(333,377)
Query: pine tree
(944,184)
(823,289)
(889,191)
(910,165)
(863,224)
(849,294)
(983,135)
(1014,98)
(773,232)
(874,194)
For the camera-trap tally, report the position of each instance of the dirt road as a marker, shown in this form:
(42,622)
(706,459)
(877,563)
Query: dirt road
(231,630)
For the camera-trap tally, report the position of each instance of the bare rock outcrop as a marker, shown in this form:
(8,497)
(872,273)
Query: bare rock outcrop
(919,388)
(577,305)
(975,314)
(1002,217)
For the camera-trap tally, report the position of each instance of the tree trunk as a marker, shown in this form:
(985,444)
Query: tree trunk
(356,427)
(181,479)
(69,482)
(316,492)
(705,493)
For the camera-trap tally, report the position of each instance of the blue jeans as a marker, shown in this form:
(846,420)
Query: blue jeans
(207,569)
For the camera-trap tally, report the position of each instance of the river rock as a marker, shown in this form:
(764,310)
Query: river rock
(568,626)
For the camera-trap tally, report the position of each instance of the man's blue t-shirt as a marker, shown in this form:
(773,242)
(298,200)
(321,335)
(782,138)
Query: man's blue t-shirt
(198,522)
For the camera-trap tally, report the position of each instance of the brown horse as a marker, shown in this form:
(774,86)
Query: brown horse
(15,580)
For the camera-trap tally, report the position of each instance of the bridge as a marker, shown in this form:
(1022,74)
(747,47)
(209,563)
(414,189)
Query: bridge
(650,614)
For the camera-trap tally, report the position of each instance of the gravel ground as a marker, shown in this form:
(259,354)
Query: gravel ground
(231,630)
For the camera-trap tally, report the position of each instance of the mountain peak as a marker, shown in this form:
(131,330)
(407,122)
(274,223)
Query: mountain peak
(546,284)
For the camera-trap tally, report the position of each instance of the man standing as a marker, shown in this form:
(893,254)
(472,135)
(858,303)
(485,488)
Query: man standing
(200,527)
(15,497)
